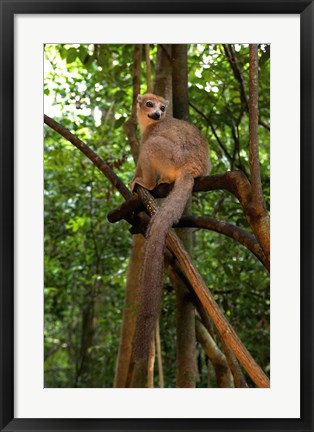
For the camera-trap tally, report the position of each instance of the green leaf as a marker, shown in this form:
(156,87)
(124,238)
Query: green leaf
(83,55)
(118,123)
(102,61)
(63,52)
(71,55)
(120,95)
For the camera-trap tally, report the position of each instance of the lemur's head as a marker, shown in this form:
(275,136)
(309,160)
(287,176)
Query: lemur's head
(150,109)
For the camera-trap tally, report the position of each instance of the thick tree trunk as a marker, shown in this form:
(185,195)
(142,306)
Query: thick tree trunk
(84,376)
(180,81)
(136,257)
(163,75)
(129,314)
(186,372)
(186,367)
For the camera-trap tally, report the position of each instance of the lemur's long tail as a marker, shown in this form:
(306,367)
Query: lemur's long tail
(152,271)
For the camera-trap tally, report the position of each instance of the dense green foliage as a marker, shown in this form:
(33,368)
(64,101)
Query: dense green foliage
(88,89)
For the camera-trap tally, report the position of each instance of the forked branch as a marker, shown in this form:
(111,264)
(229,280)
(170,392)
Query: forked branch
(92,156)
(256,210)
(224,328)
(173,243)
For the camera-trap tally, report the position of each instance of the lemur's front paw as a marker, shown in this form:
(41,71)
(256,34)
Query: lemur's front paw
(140,181)
(134,182)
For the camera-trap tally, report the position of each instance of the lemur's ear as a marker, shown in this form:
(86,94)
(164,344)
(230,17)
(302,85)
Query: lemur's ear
(139,98)
(166,102)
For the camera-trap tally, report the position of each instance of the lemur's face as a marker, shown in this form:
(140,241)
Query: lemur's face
(152,107)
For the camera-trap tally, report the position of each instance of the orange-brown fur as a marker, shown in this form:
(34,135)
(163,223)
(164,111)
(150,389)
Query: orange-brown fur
(171,150)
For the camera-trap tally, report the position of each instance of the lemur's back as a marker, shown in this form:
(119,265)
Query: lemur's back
(176,143)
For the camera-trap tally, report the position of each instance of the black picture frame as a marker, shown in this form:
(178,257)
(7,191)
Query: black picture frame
(8,8)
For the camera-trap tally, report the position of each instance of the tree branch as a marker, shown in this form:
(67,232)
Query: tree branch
(148,69)
(265,125)
(92,156)
(180,81)
(234,366)
(130,125)
(232,181)
(159,356)
(186,361)
(230,158)
(257,194)
(218,359)
(236,72)
(232,231)
(163,75)
(239,77)
(151,364)
(207,119)
(223,327)
(256,210)
(166,52)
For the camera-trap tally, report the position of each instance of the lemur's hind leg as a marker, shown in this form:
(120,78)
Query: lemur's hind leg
(145,174)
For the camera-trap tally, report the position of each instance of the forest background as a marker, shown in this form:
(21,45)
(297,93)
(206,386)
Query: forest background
(89,89)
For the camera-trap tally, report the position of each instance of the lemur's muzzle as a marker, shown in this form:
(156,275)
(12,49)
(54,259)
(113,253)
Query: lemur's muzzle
(155,116)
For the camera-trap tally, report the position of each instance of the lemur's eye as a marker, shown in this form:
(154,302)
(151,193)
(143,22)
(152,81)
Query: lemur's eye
(162,108)
(149,104)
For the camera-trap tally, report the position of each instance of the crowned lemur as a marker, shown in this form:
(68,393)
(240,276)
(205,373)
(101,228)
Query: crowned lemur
(171,150)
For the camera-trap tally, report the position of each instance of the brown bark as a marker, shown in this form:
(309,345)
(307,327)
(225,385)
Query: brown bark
(136,257)
(148,69)
(231,56)
(129,312)
(256,211)
(83,372)
(130,125)
(159,357)
(232,231)
(217,358)
(137,375)
(224,328)
(163,87)
(180,81)
(151,364)
(186,367)
(234,366)
(230,181)
(253,128)
(238,186)
(163,76)
(238,377)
